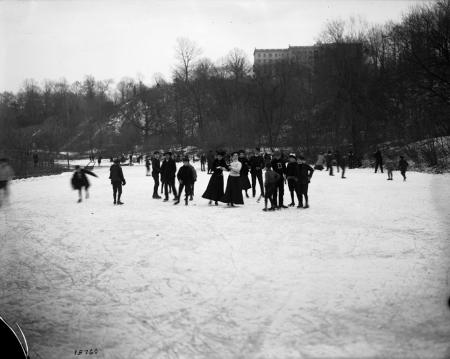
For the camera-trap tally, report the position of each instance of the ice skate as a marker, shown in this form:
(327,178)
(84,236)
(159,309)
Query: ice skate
(120,202)
(175,203)
(292,204)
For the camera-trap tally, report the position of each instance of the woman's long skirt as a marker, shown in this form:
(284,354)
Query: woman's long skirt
(233,192)
(245,182)
(214,190)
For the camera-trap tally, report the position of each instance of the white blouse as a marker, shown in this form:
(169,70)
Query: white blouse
(235,168)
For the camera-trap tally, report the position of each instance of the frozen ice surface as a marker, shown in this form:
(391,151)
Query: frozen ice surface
(363,273)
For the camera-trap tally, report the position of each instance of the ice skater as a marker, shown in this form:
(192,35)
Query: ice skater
(117,180)
(320,163)
(147,165)
(389,166)
(99,160)
(6,175)
(279,167)
(194,174)
(305,173)
(202,162)
(168,171)
(292,179)
(270,188)
(233,191)
(214,190)
(378,160)
(329,162)
(156,170)
(185,177)
(256,166)
(403,166)
(79,181)
(244,172)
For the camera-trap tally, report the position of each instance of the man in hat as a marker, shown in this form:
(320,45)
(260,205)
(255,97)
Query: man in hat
(291,176)
(156,170)
(186,178)
(304,175)
(279,167)
(256,167)
(168,171)
(117,180)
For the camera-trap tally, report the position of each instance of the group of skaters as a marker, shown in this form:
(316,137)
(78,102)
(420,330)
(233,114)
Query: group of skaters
(390,165)
(278,171)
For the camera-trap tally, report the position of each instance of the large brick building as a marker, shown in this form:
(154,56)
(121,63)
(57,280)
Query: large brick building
(305,55)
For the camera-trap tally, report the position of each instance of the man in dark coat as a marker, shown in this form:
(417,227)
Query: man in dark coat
(210,159)
(256,166)
(244,172)
(304,174)
(185,176)
(403,166)
(329,161)
(292,178)
(279,167)
(202,162)
(168,171)
(117,180)
(378,160)
(156,170)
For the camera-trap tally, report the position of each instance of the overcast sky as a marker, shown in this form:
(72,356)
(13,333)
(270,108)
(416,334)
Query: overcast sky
(114,39)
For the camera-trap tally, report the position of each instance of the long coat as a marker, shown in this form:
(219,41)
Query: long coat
(214,190)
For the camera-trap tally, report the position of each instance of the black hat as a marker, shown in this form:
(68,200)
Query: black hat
(116,160)
(301,157)
(235,152)
(221,153)
(241,151)
(168,153)
(156,153)
(185,159)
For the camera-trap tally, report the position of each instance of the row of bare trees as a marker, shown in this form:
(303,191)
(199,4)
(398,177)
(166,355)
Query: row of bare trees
(369,85)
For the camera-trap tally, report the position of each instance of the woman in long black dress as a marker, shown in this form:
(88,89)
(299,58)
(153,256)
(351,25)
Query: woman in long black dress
(233,192)
(214,191)
(244,172)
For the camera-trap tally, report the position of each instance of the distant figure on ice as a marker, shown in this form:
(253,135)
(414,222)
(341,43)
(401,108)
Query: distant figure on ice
(233,191)
(343,165)
(390,167)
(99,160)
(403,166)
(131,159)
(168,172)
(320,163)
(117,180)
(244,172)
(80,181)
(210,159)
(256,167)
(147,165)
(202,162)
(279,167)
(351,160)
(186,179)
(214,190)
(292,177)
(329,161)
(305,173)
(6,175)
(378,160)
(270,188)
(156,170)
